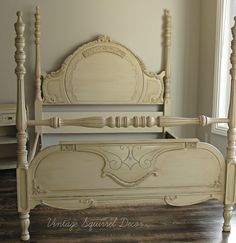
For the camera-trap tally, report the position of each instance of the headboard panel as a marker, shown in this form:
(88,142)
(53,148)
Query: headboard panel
(103,72)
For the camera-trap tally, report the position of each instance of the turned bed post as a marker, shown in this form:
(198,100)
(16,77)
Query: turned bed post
(167,46)
(230,195)
(38,96)
(21,125)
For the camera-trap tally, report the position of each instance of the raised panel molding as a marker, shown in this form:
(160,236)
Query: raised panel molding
(127,164)
(96,74)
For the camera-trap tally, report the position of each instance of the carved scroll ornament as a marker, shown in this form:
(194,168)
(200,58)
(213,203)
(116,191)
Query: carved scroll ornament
(103,72)
(127,164)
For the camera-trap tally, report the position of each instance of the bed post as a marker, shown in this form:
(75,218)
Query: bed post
(21,125)
(38,96)
(167,45)
(230,195)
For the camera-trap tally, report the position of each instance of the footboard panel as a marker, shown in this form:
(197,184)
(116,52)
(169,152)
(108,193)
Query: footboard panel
(79,175)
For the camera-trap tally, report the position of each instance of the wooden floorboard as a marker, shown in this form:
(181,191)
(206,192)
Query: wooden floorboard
(197,223)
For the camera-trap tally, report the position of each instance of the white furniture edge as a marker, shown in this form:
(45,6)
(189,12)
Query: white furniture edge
(7,162)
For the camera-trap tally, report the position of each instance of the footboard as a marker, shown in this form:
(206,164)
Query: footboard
(80,175)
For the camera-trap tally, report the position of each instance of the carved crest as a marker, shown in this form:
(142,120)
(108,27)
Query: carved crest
(103,72)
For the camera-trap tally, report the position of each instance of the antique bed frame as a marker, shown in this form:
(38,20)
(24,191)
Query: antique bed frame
(83,174)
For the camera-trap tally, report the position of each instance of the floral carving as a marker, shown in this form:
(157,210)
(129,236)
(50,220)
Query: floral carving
(98,49)
(37,189)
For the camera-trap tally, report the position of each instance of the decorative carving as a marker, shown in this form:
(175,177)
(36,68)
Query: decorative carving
(24,223)
(103,38)
(68,85)
(217,183)
(124,70)
(184,200)
(228,213)
(21,125)
(170,199)
(191,145)
(37,189)
(98,49)
(60,71)
(87,201)
(118,121)
(70,203)
(127,164)
(68,147)
(155,88)
(20,73)
(55,95)
(55,122)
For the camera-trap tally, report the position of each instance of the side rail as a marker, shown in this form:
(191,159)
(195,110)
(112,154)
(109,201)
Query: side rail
(118,121)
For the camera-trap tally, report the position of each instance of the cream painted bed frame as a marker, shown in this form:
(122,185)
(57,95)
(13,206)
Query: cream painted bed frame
(83,174)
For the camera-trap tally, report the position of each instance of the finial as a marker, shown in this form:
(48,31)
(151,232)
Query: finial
(19,14)
(20,44)
(167,12)
(19,25)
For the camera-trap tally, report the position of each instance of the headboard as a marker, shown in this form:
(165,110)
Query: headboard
(103,72)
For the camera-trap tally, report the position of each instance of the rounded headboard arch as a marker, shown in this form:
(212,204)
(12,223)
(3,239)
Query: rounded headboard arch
(103,72)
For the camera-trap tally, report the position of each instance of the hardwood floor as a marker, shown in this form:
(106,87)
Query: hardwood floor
(197,223)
